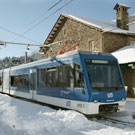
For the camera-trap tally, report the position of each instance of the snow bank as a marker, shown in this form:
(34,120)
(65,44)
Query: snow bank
(18,117)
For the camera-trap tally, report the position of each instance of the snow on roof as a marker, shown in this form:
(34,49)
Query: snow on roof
(124,5)
(104,25)
(133,14)
(132,27)
(125,54)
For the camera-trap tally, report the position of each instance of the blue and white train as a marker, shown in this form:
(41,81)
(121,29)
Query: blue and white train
(83,81)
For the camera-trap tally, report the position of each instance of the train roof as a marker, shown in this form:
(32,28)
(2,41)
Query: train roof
(68,55)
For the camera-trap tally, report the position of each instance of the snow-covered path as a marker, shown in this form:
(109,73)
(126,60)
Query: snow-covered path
(18,117)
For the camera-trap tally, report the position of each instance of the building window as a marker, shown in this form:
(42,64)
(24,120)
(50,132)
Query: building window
(20,81)
(91,46)
(65,31)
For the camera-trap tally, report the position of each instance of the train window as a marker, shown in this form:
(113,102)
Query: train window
(33,81)
(78,79)
(65,72)
(55,76)
(0,80)
(42,77)
(61,76)
(52,77)
(20,81)
(103,75)
(48,77)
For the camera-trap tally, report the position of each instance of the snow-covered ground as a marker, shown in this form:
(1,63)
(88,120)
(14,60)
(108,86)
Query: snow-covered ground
(19,117)
(126,116)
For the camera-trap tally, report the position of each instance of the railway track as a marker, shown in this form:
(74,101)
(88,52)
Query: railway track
(114,122)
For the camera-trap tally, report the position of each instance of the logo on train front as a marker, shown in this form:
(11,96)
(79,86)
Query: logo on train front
(110,95)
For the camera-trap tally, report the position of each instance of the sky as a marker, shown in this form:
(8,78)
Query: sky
(34,19)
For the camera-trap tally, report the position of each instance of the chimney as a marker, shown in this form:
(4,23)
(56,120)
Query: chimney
(122,18)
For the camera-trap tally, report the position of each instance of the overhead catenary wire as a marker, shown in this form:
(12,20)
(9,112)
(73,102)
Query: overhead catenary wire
(3,43)
(33,21)
(67,3)
(19,35)
(24,44)
(37,18)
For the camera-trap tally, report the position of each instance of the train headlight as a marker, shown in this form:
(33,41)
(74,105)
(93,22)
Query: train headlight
(95,101)
(123,99)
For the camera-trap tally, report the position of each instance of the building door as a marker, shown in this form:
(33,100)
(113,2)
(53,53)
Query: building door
(33,83)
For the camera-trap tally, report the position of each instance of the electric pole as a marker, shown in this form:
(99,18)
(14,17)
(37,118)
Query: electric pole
(26,57)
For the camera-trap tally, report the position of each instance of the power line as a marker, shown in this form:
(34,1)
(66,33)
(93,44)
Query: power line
(21,35)
(2,28)
(43,13)
(33,21)
(46,17)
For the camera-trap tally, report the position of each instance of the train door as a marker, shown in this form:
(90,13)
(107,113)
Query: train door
(33,83)
(6,81)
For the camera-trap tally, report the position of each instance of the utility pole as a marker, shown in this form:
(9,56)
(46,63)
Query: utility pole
(26,57)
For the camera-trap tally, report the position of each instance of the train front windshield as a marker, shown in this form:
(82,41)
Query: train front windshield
(103,75)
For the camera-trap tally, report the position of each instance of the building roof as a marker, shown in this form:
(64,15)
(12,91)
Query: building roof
(132,23)
(101,25)
(126,54)
(122,5)
(104,25)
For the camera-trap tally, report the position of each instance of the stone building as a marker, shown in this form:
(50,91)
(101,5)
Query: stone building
(126,57)
(93,34)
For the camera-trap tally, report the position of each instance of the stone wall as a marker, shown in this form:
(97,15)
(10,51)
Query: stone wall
(77,32)
(114,41)
(131,40)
